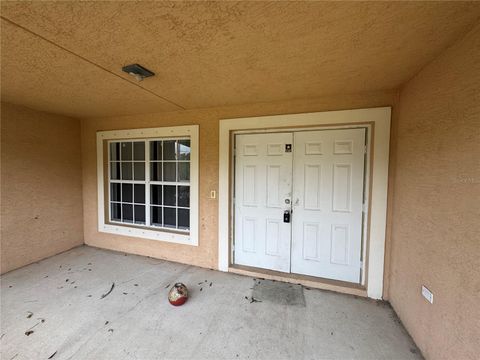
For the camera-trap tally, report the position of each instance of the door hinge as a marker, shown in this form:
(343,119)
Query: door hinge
(365,149)
(361,264)
(364,208)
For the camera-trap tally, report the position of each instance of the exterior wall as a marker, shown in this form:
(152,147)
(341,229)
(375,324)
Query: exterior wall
(436,213)
(41,192)
(206,254)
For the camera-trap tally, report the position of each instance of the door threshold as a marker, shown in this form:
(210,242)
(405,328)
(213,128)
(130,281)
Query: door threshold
(305,280)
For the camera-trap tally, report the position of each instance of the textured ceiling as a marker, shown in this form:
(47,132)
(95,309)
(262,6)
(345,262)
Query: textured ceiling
(66,57)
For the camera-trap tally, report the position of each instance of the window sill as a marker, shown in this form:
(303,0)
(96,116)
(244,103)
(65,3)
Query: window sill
(160,235)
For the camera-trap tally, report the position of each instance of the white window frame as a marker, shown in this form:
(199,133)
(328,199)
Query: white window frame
(132,230)
(147,182)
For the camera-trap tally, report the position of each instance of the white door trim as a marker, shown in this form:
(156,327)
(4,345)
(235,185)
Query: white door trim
(380,117)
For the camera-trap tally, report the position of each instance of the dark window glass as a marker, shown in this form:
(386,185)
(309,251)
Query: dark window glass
(126,171)
(169,195)
(184,171)
(115,171)
(169,150)
(156,214)
(155,150)
(127,211)
(139,150)
(139,170)
(156,171)
(183,149)
(169,217)
(139,193)
(183,219)
(116,212)
(114,151)
(139,214)
(127,193)
(184,196)
(156,194)
(115,192)
(169,171)
(126,151)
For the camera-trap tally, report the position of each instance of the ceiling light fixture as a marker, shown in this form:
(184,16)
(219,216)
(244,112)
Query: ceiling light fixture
(137,71)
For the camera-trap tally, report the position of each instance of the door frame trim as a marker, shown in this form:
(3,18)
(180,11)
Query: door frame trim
(379,118)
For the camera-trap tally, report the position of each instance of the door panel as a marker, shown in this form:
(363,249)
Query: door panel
(263,181)
(328,203)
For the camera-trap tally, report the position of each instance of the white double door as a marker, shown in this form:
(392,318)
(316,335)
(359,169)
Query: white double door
(298,200)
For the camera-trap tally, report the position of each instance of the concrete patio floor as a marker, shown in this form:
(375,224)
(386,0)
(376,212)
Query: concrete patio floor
(59,299)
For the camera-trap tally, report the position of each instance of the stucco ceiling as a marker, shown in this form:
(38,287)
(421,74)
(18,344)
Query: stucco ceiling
(66,57)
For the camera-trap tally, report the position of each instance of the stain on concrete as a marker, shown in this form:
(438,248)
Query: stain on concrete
(278,293)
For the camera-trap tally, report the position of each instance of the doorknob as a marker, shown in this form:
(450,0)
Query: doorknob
(286,216)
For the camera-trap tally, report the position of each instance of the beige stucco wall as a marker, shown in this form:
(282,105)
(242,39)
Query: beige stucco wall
(206,254)
(41,199)
(436,205)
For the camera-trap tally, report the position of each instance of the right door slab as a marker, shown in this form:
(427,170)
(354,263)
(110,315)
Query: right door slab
(328,192)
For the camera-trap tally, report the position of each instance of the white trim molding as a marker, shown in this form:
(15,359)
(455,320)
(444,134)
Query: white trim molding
(379,117)
(188,238)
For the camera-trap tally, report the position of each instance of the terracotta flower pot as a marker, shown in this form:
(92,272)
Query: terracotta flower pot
(178,294)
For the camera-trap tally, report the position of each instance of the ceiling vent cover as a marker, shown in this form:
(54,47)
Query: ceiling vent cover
(138,71)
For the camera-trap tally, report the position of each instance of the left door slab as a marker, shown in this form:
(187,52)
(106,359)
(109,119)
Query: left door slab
(263,190)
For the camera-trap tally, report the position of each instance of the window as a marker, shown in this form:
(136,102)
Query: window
(150,183)
(150,189)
